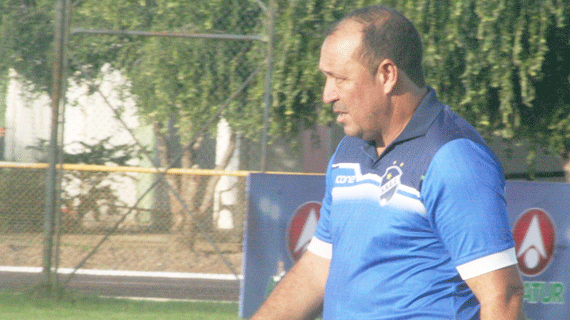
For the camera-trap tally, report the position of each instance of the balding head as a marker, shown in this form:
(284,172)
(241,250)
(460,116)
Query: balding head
(386,34)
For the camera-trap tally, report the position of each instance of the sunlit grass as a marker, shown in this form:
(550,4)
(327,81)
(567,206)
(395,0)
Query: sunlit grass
(36,306)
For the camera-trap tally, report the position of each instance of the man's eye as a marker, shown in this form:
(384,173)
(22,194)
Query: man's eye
(339,80)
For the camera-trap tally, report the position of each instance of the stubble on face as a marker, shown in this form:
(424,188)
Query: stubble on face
(350,87)
(336,59)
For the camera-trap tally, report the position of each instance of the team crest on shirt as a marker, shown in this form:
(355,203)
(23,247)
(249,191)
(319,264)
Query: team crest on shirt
(387,189)
(390,182)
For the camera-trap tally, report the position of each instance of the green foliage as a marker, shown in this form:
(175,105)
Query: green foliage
(188,79)
(501,64)
(92,191)
(26,34)
(297,81)
(100,153)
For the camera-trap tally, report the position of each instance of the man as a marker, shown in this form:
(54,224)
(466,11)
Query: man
(413,223)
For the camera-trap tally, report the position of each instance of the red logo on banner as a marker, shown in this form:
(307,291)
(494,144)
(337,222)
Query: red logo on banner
(301,228)
(535,238)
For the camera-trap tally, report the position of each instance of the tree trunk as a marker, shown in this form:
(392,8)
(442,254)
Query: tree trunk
(165,160)
(566,166)
(190,188)
(225,193)
(208,199)
(188,191)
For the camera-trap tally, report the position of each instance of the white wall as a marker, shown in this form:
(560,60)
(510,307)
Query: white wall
(28,118)
(88,118)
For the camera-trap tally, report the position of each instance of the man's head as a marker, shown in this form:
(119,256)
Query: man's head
(366,58)
(387,34)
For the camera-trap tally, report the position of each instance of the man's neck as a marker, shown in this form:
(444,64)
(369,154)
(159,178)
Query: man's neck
(405,107)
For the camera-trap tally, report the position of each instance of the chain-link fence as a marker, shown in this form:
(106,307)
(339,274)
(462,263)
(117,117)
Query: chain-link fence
(153,129)
(137,160)
(115,218)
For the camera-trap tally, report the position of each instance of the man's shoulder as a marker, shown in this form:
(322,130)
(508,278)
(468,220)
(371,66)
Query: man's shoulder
(450,126)
(437,121)
(351,142)
(350,148)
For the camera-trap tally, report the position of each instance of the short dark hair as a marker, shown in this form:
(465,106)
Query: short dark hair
(387,34)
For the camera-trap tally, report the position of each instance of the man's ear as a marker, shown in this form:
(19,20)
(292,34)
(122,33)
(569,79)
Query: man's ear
(388,74)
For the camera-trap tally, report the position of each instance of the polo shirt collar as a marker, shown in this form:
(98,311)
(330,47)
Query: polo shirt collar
(425,114)
(423,117)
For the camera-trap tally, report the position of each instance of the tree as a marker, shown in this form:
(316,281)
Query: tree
(190,81)
(496,61)
(501,64)
(26,34)
(93,192)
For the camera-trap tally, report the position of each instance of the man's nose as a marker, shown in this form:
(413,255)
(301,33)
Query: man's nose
(330,92)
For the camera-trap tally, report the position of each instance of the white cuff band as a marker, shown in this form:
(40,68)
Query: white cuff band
(320,248)
(488,263)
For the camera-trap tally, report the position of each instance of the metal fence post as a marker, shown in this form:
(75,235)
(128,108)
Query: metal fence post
(268,74)
(51,176)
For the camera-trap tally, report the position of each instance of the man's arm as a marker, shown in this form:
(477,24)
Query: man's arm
(299,295)
(500,294)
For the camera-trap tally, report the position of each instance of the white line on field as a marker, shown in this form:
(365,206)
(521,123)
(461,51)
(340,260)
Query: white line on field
(122,273)
(170,299)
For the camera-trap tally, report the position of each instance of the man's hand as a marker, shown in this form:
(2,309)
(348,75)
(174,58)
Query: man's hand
(500,294)
(299,295)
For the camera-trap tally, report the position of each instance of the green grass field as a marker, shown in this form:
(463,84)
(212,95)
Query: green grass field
(37,307)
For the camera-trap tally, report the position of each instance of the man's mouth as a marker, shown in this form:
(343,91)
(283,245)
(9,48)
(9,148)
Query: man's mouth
(341,117)
(339,107)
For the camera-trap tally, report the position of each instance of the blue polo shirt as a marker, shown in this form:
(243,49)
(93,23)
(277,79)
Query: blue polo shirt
(405,228)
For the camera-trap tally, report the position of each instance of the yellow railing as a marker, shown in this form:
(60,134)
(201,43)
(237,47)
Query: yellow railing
(177,171)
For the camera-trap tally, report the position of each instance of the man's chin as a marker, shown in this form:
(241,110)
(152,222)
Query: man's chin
(352,133)
(348,132)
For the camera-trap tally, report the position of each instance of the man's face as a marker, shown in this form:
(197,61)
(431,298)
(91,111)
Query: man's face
(355,93)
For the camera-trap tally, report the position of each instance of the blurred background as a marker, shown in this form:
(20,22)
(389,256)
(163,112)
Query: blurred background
(128,128)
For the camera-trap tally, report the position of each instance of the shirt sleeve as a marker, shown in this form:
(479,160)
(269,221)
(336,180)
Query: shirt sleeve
(463,192)
(321,243)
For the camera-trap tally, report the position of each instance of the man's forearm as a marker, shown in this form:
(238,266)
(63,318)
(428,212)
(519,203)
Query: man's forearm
(500,294)
(509,308)
(299,294)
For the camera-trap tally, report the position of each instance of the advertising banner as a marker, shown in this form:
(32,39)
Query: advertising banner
(281,218)
(283,211)
(540,218)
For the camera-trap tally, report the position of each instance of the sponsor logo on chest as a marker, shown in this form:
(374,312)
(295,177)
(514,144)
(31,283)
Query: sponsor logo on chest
(387,184)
